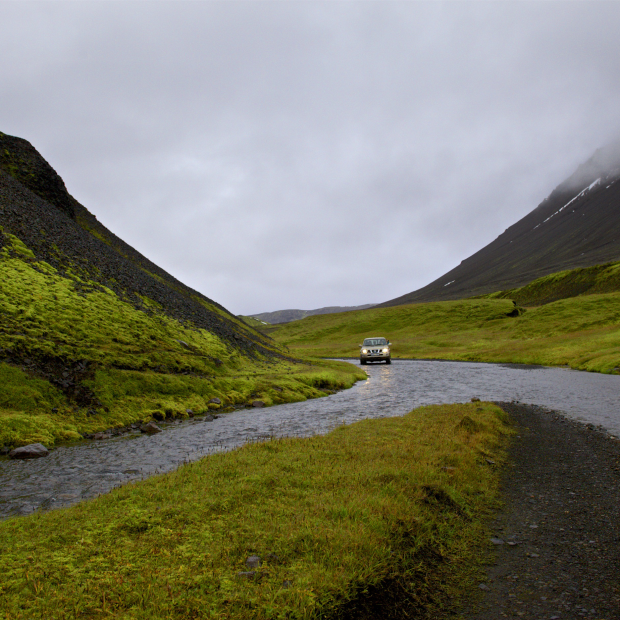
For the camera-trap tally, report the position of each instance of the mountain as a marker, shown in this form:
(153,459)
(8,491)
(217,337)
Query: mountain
(95,337)
(286,316)
(577,225)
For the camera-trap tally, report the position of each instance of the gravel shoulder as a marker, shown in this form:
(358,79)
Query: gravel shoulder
(556,543)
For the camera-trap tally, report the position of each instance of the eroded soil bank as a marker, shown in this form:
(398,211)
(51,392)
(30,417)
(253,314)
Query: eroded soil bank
(557,541)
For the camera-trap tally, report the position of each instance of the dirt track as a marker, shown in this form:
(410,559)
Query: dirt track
(558,540)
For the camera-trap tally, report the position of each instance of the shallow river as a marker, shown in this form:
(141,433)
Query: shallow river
(79,471)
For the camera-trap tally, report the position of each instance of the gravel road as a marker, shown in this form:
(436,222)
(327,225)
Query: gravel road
(557,541)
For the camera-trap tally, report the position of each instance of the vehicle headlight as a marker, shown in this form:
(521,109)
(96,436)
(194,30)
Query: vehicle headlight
(364,351)
(386,350)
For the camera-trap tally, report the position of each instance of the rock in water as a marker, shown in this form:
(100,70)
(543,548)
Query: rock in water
(150,429)
(32,451)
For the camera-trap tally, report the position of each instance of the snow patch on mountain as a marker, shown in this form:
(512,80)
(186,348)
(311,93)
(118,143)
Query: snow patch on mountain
(579,195)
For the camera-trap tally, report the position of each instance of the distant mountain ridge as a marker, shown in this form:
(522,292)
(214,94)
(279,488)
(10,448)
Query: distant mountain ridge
(577,225)
(286,316)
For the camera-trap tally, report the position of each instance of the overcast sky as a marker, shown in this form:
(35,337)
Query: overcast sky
(281,155)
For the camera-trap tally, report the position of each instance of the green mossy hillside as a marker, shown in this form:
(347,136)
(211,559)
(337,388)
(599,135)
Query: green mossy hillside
(380,515)
(580,332)
(564,284)
(75,358)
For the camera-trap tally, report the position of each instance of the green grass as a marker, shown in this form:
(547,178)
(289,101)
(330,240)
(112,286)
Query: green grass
(131,362)
(393,508)
(580,332)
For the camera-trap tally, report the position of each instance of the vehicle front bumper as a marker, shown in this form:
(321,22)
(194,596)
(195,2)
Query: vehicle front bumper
(369,357)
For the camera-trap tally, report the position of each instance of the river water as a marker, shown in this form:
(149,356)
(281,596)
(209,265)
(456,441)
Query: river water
(80,471)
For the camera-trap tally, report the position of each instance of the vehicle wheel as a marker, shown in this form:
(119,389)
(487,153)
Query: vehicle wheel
(363,362)
(388,360)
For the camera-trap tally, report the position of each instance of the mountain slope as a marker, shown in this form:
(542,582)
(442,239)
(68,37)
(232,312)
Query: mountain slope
(577,225)
(94,336)
(70,238)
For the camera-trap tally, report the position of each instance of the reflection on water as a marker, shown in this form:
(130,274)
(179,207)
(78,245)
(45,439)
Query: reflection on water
(72,473)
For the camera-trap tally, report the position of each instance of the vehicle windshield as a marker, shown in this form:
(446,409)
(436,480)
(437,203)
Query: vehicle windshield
(375,342)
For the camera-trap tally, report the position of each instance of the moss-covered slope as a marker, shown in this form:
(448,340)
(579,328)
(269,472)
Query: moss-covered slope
(94,336)
(36,207)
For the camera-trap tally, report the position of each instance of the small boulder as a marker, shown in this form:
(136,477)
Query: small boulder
(102,436)
(258,403)
(209,418)
(216,401)
(253,561)
(190,413)
(250,575)
(32,451)
(150,429)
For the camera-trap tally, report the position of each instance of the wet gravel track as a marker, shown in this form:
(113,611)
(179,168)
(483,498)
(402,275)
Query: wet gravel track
(79,471)
(557,543)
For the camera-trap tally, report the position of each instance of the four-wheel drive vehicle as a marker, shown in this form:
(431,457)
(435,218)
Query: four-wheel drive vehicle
(375,350)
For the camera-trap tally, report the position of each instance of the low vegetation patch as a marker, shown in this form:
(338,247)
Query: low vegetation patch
(580,332)
(380,515)
(75,358)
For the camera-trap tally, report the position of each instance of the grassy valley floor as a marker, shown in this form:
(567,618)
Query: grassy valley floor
(384,514)
(580,332)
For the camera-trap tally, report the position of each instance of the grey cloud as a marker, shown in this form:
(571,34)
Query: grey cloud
(306,154)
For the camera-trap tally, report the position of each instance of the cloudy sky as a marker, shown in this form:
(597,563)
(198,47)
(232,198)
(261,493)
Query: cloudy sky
(302,154)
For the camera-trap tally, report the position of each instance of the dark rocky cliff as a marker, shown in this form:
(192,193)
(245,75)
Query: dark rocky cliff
(577,225)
